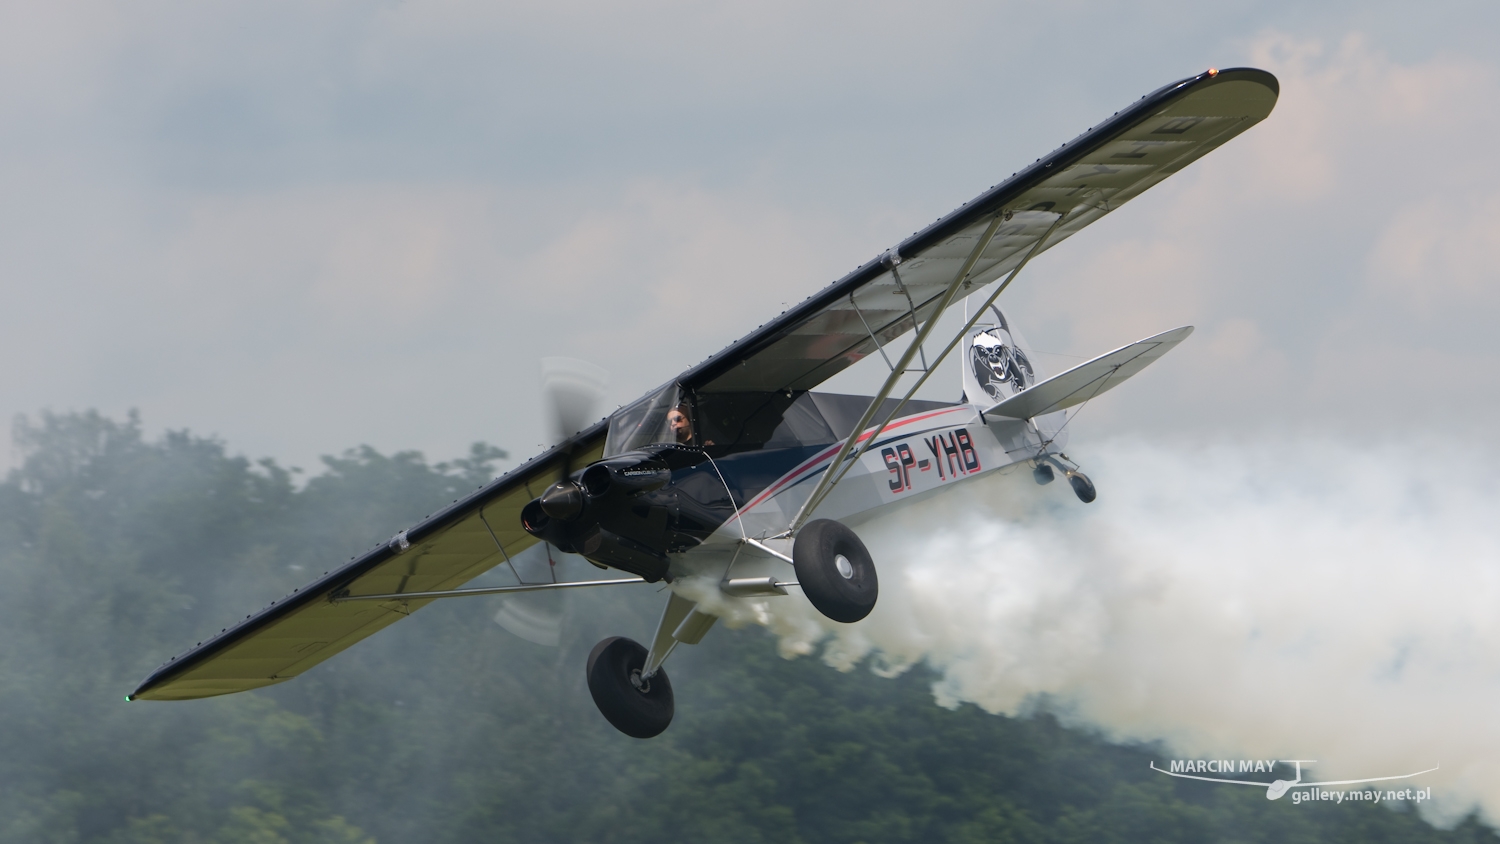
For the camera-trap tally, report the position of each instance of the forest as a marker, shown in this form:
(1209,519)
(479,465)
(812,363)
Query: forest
(118,551)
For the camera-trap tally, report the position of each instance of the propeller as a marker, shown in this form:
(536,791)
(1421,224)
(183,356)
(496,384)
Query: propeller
(536,617)
(572,392)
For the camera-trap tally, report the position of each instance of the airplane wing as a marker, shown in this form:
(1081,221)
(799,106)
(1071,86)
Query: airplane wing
(1083,179)
(443,551)
(1087,380)
(1079,182)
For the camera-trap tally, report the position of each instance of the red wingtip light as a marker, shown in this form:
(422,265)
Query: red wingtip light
(1213,71)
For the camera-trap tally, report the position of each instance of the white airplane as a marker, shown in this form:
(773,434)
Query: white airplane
(739,477)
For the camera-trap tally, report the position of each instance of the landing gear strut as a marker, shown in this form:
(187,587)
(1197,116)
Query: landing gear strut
(626,680)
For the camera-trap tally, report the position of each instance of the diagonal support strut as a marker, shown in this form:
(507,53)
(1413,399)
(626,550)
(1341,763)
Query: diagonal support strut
(825,482)
(968,326)
(843,462)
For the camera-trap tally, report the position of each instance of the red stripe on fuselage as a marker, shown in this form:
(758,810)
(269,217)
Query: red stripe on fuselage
(812,463)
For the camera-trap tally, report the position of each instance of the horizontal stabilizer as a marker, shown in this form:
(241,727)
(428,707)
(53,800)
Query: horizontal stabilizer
(1087,380)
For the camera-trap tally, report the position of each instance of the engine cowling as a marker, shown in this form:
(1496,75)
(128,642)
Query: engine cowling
(630,510)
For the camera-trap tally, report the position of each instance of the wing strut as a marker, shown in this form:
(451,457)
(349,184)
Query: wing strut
(829,479)
(485,590)
(911,307)
(870,331)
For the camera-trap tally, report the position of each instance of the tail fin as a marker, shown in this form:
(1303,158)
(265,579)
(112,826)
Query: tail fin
(995,363)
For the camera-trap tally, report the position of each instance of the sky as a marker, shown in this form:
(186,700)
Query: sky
(305,227)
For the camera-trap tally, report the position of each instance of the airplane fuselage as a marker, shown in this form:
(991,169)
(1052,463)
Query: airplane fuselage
(663,510)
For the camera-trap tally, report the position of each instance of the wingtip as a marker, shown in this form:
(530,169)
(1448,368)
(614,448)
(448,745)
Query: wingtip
(1255,74)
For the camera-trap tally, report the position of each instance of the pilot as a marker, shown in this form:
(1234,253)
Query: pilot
(680,424)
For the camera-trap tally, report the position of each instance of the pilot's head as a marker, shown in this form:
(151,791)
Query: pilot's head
(680,424)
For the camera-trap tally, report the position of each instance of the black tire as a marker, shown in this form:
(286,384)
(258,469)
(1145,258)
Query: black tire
(1083,487)
(637,712)
(1043,474)
(848,595)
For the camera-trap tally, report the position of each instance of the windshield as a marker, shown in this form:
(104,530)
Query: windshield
(663,417)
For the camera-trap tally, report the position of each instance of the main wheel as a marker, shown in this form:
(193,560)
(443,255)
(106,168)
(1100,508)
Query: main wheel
(636,707)
(835,571)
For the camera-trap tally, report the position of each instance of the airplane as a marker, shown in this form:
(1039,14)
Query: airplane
(738,473)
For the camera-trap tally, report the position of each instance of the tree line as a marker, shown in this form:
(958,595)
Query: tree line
(118,550)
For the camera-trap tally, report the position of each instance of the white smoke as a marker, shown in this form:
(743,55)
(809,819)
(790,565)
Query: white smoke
(1290,601)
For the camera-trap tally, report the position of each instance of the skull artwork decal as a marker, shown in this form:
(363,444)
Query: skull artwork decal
(997,360)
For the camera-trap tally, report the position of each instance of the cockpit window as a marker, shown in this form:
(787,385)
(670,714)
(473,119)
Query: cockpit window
(663,417)
(730,423)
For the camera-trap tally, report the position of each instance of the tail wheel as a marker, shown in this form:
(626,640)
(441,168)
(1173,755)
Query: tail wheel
(636,706)
(835,570)
(1083,487)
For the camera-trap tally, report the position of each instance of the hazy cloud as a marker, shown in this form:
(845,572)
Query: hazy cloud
(1336,256)
(301,227)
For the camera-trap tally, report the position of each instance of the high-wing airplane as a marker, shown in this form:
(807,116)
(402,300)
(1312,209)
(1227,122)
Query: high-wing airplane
(738,476)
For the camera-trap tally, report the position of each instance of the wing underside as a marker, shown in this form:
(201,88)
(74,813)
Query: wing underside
(301,630)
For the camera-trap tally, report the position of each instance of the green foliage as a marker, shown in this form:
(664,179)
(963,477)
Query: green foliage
(117,552)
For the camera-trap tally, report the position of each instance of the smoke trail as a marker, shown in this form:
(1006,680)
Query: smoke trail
(1292,601)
